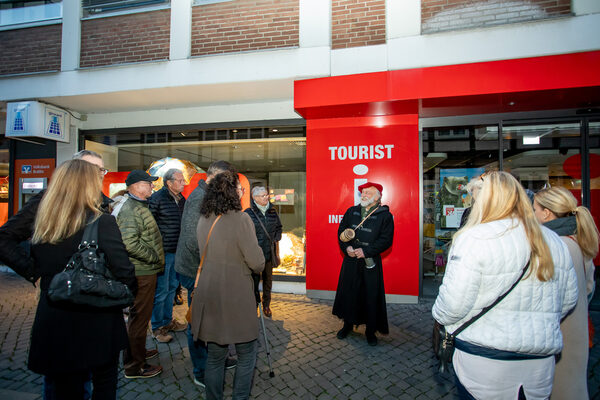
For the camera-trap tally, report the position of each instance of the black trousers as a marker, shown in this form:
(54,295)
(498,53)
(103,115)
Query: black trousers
(71,386)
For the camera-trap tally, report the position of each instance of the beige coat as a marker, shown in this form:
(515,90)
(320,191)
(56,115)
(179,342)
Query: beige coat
(224,306)
(570,376)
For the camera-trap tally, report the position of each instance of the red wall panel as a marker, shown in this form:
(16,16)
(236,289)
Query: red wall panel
(330,191)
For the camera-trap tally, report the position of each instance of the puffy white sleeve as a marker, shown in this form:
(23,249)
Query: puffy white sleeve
(461,282)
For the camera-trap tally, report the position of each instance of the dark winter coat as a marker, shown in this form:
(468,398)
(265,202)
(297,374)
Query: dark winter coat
(187,257)
(77,338)
(18,229)
(167,213)
(271,221)
(360,295)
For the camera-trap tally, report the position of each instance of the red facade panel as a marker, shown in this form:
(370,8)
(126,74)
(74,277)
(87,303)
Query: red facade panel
(245,25)
(30,50)
(357,23)
(444,15)
(125,38)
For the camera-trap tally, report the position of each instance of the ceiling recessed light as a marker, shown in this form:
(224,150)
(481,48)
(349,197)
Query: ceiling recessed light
(275,130)
(234,131)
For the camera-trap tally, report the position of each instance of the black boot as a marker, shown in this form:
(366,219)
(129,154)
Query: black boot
(371,338)
(342,333)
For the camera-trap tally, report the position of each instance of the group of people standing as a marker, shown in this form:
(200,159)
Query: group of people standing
(533,343)
(151,243)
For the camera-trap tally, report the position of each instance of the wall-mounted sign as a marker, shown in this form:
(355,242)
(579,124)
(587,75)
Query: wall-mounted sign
(34,119)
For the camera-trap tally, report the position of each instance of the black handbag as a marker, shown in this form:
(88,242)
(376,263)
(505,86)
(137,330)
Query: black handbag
(86,280)
(443,341)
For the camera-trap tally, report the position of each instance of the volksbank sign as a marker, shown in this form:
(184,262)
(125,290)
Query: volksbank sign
(34,119)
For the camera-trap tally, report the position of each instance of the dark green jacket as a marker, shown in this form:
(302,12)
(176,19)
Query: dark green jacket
(141,237)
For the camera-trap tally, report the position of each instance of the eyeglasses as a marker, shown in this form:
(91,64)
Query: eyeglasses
(103,171)
(263,195)
(182,181)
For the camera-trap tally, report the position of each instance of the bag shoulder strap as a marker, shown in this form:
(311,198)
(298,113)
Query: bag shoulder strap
(261,224)
(488,308)
(363,221)
(204,251)
(90,234)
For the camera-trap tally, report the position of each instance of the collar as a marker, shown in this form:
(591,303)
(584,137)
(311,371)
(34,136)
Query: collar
(263,209)
(563,226)
(136,198)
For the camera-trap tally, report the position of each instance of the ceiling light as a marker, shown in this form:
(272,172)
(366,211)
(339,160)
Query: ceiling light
(275,130)
(234,131)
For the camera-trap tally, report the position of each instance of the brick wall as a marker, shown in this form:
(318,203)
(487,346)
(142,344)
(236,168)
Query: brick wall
(30,50)
(125,38)
(443,15)
(244,25)
(357,23)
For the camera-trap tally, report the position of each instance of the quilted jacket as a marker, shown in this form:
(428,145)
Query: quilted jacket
(484,262)
(167,214)
(141,236)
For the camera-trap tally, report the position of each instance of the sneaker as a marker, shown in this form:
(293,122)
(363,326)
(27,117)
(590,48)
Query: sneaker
(175,326)
(230,363)
(161,335)
(147,371)
(342,333)
(151,354)
(199,381)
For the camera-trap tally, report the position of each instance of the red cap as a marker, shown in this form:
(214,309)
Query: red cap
(370,184)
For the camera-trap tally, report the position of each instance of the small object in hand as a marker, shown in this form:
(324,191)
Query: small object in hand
(178,296)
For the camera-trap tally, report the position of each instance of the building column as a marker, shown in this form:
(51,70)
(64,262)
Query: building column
(402,18)
(71,35)
(181,30)
(315,23)
(582,7)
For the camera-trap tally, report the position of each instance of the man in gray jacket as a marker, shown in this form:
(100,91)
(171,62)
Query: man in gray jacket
(187,257)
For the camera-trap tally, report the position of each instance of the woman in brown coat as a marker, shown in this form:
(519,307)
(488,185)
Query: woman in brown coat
(224,306)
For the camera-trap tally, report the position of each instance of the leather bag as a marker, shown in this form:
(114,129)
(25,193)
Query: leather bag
(188,314)
(443,341)
(86,280)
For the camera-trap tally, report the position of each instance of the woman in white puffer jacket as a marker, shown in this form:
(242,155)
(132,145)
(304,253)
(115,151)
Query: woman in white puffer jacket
(510,349)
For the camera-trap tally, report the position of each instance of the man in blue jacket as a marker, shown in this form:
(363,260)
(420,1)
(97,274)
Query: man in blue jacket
(166,205)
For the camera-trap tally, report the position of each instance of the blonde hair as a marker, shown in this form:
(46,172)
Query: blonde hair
(502,196)
(561,202)
(73,192)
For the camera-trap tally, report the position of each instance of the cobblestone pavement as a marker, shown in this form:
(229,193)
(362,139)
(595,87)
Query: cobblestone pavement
(308,360)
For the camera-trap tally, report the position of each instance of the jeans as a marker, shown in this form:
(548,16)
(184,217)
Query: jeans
(244,372)
(198,351)
(166,285)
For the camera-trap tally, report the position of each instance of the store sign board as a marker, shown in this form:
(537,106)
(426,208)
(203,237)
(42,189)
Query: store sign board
(33,119)
(341,158)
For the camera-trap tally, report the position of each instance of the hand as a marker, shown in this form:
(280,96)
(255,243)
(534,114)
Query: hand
(359,253)
(350,251)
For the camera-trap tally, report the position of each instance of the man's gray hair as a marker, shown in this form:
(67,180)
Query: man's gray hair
(80,154)
(217,167)
(168,176)
(378,193)
(256,190)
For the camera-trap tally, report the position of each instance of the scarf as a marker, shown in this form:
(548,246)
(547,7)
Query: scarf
(563,226)
(263,209)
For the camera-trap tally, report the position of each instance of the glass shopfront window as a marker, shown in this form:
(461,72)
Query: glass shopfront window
(539,153)
(451,157)
(274,157)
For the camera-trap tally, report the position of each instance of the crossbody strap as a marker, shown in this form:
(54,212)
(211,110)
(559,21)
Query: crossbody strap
(488,308)
(204,252)
(363,221)
(263,225)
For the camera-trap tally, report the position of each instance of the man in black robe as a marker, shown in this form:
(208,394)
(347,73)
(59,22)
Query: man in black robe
(360,295)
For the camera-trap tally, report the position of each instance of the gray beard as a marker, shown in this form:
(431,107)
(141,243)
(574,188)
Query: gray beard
(366,203)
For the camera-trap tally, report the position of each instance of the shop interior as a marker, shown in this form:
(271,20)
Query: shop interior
(539,153)
(274,157)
